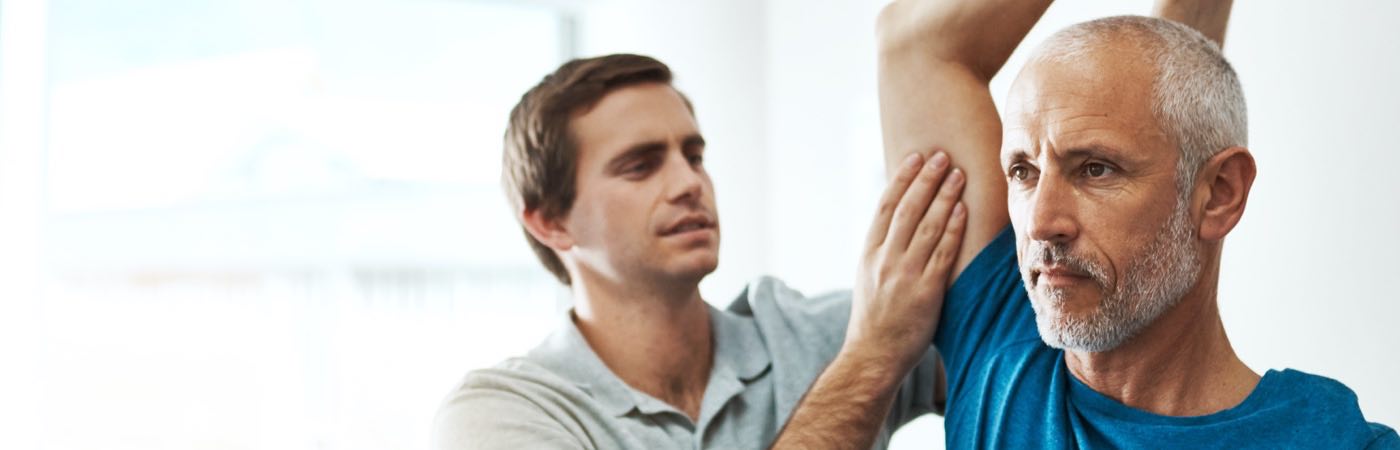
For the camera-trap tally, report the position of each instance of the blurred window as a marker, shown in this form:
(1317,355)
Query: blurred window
(265,223)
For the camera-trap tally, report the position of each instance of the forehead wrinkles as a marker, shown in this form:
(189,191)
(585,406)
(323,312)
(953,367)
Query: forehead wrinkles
(1069,104)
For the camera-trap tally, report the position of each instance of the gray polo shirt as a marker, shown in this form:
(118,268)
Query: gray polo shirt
(770,344)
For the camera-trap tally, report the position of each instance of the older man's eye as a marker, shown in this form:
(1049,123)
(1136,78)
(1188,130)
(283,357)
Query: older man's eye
(1096,170)
(1019,172)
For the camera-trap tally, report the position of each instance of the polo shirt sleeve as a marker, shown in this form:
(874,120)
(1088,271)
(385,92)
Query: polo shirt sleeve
(806,333)
(486,419)
(517,405)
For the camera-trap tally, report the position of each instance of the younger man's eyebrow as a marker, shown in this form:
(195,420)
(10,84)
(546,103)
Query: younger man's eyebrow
(637,151)
(693,141)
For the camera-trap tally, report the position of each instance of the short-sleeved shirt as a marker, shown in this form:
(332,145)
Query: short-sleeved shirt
(1007,389)
(769,346)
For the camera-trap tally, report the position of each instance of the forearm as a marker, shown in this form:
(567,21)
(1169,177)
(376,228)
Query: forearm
(846,406)
(936,59)
(1210,17)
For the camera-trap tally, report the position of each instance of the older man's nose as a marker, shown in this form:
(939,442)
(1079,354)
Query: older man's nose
(1052,213)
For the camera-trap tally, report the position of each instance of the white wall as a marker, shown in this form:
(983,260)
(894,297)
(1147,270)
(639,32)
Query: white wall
(824,139)
(21,181)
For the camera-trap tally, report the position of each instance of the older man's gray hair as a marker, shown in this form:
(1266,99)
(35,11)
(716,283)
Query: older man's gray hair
(1196,96)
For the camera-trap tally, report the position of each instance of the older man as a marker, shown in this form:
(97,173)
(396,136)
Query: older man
(1092,320)
(1125,167)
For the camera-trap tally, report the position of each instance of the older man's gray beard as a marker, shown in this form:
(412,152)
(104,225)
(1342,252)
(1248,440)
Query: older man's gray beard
(1153,283)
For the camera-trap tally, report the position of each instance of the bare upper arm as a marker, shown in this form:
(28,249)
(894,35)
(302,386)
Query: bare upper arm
(936,60)
(1209,17)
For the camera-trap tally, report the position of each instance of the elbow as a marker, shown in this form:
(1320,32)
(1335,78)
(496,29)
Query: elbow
(905,25)
(887,27)
(917,29)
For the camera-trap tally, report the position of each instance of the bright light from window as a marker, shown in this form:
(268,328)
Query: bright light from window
(264,224)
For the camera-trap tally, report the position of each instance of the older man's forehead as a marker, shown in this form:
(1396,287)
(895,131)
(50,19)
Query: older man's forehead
(1085,84)
(1080,101)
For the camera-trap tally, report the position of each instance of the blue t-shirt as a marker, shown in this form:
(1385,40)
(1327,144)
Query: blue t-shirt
(1007,389)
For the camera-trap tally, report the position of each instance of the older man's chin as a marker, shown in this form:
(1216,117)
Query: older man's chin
(1071,325)
(1071,335)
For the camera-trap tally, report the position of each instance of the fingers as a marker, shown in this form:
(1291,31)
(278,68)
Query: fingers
(940,263)
(916,201)
(890,199)
(931,227)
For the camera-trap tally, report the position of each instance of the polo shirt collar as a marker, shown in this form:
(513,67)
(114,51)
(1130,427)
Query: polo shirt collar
(738,344)
(566,353)
(740,357)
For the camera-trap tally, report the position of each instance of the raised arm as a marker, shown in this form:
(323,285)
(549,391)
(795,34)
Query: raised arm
(1207,16)
(936,59)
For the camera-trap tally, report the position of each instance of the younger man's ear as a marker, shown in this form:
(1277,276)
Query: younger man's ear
(1227,178)
(549,232)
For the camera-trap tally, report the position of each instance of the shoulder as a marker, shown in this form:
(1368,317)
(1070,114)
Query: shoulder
(517,376)
(512,404)
(1316,390)
(1327,403)
(1383,438)
(768,296)
(781,311)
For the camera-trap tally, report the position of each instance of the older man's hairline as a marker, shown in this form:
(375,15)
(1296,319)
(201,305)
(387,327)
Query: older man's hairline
(1196,95)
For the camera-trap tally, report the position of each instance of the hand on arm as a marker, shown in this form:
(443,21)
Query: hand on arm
(936,59)
(909,252)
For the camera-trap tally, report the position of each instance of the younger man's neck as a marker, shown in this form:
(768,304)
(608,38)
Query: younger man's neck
(657,339)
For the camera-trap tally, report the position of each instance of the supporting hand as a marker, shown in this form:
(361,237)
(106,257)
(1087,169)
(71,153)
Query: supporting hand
(909,254)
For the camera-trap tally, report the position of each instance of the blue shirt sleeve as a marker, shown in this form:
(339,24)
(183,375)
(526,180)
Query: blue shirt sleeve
(985,309)
(1383,438)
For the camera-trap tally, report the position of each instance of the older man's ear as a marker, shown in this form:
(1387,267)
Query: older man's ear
(1222,191)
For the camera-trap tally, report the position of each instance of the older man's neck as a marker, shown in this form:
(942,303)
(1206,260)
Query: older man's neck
(655,337)
(1181,365)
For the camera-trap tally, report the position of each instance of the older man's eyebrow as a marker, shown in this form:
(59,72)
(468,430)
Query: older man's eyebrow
(636,151)
(1092,151)
(1014,156)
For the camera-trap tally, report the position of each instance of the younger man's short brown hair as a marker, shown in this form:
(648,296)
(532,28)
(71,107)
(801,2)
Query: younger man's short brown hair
(540,153)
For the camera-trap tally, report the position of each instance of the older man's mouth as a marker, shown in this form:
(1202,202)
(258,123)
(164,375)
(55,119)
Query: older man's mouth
(1058,277)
